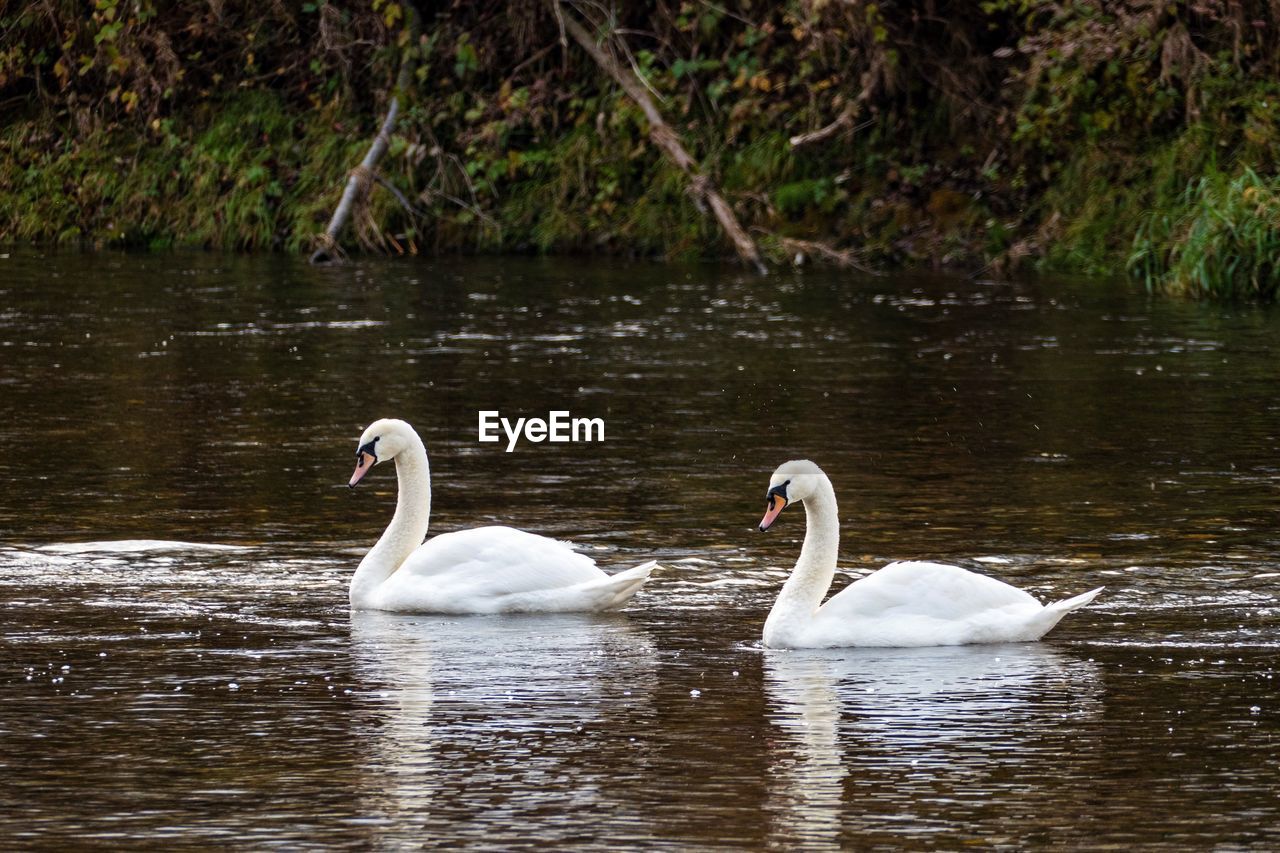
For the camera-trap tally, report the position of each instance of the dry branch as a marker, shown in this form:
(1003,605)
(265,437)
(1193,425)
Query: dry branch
(703,188)
(838,257)
(843,122)
(360,181)
(845,119)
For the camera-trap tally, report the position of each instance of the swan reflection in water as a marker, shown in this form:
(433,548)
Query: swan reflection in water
(902,729)
(482,719)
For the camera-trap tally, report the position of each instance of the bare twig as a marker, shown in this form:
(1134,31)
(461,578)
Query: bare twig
(840,257)
(844,121)
(399,196)
(447,165)
(555,7)
(537,55)
(723,11)
(474,205)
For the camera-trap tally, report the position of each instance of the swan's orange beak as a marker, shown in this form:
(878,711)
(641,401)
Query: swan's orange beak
(776,504)
(364,461)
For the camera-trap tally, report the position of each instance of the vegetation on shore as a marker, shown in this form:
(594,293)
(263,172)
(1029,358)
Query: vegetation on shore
(1072,136)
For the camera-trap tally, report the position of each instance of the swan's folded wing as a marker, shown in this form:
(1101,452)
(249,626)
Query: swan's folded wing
(932,590)
(495,561)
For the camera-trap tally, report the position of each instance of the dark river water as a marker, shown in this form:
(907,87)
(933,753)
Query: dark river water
(179,667)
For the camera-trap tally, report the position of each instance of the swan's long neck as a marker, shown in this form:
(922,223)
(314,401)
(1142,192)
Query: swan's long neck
(407,529)
(811,578)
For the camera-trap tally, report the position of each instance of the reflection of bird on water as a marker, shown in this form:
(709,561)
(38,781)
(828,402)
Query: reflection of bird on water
(475,709)
(901,718)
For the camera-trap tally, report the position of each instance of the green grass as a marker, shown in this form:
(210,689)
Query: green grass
(249,177)
(1223,241)
(249,173)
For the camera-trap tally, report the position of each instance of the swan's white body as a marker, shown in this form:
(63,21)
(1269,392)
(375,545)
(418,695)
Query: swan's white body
(481,570)
(903,604)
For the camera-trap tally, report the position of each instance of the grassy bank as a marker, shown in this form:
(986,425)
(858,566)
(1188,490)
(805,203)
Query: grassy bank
(980,135)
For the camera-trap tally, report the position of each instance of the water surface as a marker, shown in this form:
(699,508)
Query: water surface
(179,668)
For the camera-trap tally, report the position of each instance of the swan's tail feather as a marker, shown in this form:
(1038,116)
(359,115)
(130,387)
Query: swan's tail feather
(625,584)
(641,570)
(1075,603)
(1051,614)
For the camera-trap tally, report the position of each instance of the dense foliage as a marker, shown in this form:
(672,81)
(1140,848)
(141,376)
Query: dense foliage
(1073,135)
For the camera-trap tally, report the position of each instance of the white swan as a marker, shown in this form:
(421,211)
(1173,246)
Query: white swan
(903,604)
(482,570)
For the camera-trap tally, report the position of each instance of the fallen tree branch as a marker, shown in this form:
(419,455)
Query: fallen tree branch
(839,257)
(702,187)
(844,121)
(413,212)
(360,180)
